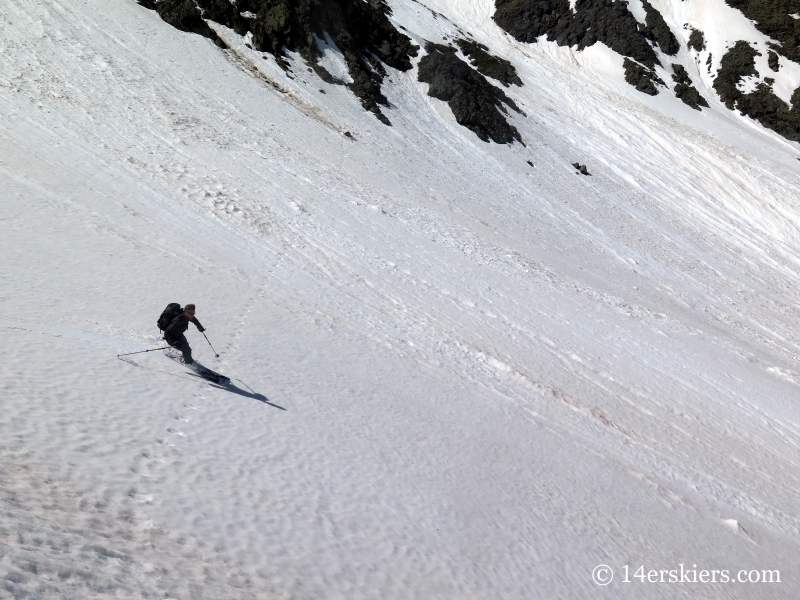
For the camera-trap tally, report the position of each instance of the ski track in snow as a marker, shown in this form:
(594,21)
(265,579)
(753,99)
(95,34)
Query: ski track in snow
(493,376)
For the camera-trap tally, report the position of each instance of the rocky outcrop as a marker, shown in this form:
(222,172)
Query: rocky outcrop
(697,40)
(762,104)
(772,112)
(774,19)
(527,20)
(361,29)
(642,78)
(476,104)
(489,65)
(658,30)
(773,61)
(581,168)
(607,21)
(183,15)
(592,21)
(685,90)
(737,63)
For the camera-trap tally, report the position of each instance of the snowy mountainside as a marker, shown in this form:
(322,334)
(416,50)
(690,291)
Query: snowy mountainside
(460,369)
(643,33)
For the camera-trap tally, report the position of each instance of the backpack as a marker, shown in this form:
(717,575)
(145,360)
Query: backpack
(173,310)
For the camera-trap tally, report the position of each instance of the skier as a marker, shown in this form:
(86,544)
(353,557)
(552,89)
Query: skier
(174,333)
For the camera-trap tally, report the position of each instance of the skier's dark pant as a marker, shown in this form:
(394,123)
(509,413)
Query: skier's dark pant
(180,343)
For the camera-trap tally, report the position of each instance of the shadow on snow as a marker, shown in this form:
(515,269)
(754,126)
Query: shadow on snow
(231,387)
(228,387)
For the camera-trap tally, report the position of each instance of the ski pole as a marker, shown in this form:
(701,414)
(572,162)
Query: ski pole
(209,343)
(143,351)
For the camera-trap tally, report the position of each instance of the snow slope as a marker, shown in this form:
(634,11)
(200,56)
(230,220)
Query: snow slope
(454,375)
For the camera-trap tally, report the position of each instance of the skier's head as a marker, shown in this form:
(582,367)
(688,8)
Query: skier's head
(189,310)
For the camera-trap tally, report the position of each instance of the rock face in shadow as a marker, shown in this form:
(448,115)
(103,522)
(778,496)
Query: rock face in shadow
(773,61)
(773,18)
(607,21)
(361,29)
(489,65)
(772,112)
(697,41)
(761,104)
(476,104)
(685,90)
(737,63)
(610,22)
(658,30)
(641,77)
(527,20)
(183,15)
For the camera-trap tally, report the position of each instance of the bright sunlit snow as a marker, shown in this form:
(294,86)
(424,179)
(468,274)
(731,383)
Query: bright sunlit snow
(453,374)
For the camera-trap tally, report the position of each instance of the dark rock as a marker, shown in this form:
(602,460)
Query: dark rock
(361,29)
(229,14)
(762,105)
(183,15)
(325,75)
(773,61)
(489,65)
(773,18)
(642,78)
(685,90)
(530,163)
(476,103)
(527,20)
(738,62)
(697,40)
(607,21)
(773,113)
(581,168)
(659,31)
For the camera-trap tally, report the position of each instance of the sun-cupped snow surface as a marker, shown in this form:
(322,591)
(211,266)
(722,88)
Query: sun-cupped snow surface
(453,374)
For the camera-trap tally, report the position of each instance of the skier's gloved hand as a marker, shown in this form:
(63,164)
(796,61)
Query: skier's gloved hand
(202,329)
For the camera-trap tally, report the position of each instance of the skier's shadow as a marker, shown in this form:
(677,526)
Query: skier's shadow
(231,387)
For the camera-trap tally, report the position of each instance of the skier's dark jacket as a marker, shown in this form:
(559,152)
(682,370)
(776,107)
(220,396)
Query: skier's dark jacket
(179,326)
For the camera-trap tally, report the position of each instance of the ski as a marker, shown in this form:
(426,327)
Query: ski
(201,370)
(207,373)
